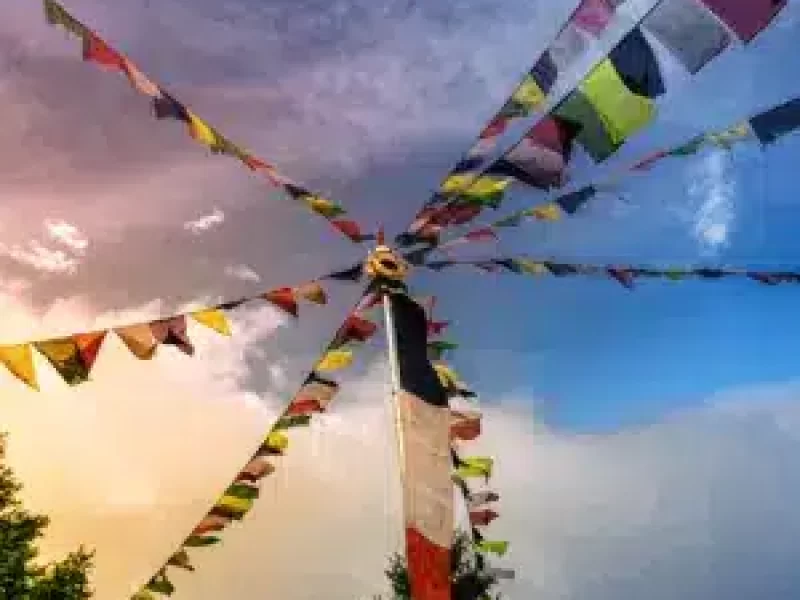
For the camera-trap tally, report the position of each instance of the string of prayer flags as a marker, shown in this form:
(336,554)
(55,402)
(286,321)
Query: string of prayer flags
(73,356)
(167,107)
(239,496)
(575,40)
(767,127)
(626,275)
(746,19)
(465,426)
(286,298)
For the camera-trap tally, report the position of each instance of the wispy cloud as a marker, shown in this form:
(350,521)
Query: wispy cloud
(67,234)
(206,222)
(41,258)
(242,272)
(713,188)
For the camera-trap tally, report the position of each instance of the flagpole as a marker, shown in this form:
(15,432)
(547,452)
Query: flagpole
(394,371)
(387,269)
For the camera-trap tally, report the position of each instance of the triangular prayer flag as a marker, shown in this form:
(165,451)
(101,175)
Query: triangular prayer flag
(354,273)
(351,229)
(213,318)
(210,523)
(235,508)
(242,491)
(181,560)
(172,332)
(479,498)
(624,276)
(493,547)
(202,132)
(335,360)
(545,212)
(139,80)
(160,584)
(323,206)
(57,15)
(139,339)
(437,348)
(283,298)
(19,360)
(199,541)
(465,426)
(276,442)
(89,345)
(167,107)
(531,267)
(483,517)
(65,356)
(289,421)
(258,468)
(355,329)
(97,51)
(437,327)
(313,292)
(475,466)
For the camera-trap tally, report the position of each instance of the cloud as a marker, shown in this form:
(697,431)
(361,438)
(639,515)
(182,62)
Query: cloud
(204,223)
(242,272)
(67,234)
(41,258)
(713,190)
(700,506)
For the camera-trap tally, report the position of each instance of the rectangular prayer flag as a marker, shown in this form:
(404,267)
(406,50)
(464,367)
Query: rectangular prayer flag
(425,430)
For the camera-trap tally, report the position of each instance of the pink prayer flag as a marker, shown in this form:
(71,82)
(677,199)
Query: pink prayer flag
(593,16)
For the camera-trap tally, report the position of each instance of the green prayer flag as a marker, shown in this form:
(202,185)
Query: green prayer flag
(199,541)
(161,585)
(437,348)
(242,491)
(493,547)
(287,422)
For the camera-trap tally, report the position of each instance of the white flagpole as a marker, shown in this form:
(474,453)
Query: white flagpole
(394,370)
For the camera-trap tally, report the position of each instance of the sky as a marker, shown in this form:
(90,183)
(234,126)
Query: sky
(646,441)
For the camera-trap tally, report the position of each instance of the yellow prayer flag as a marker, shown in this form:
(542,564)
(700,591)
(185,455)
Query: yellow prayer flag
(621,111)
(139,339)
(456,183)
(531,267)
(529,94)
(239,505)
(277,440)
(335,360)
(201,132)
(313,292)
(486,186)
(547,212)
(19,360)
(213,318)
(447,376)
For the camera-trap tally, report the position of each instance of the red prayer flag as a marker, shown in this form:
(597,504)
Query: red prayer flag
(284,299)
(97,51)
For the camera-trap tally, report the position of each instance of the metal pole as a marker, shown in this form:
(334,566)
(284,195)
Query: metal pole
(394,370)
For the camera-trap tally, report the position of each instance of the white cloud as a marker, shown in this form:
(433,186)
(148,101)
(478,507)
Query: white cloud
(41,258)
(242,272)
(67,234)
(713,188)
(654,512)
(204,223)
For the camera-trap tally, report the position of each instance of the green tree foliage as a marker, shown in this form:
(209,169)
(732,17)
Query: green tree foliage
(21,577)
(471,581)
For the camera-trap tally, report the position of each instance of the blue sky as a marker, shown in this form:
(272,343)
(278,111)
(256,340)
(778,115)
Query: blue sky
(692,387)
(602,357)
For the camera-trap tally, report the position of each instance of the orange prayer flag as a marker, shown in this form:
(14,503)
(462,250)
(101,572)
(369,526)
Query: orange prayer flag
(284,299)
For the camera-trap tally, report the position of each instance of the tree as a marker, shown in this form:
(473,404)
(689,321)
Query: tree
(471,580)
(21,577)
